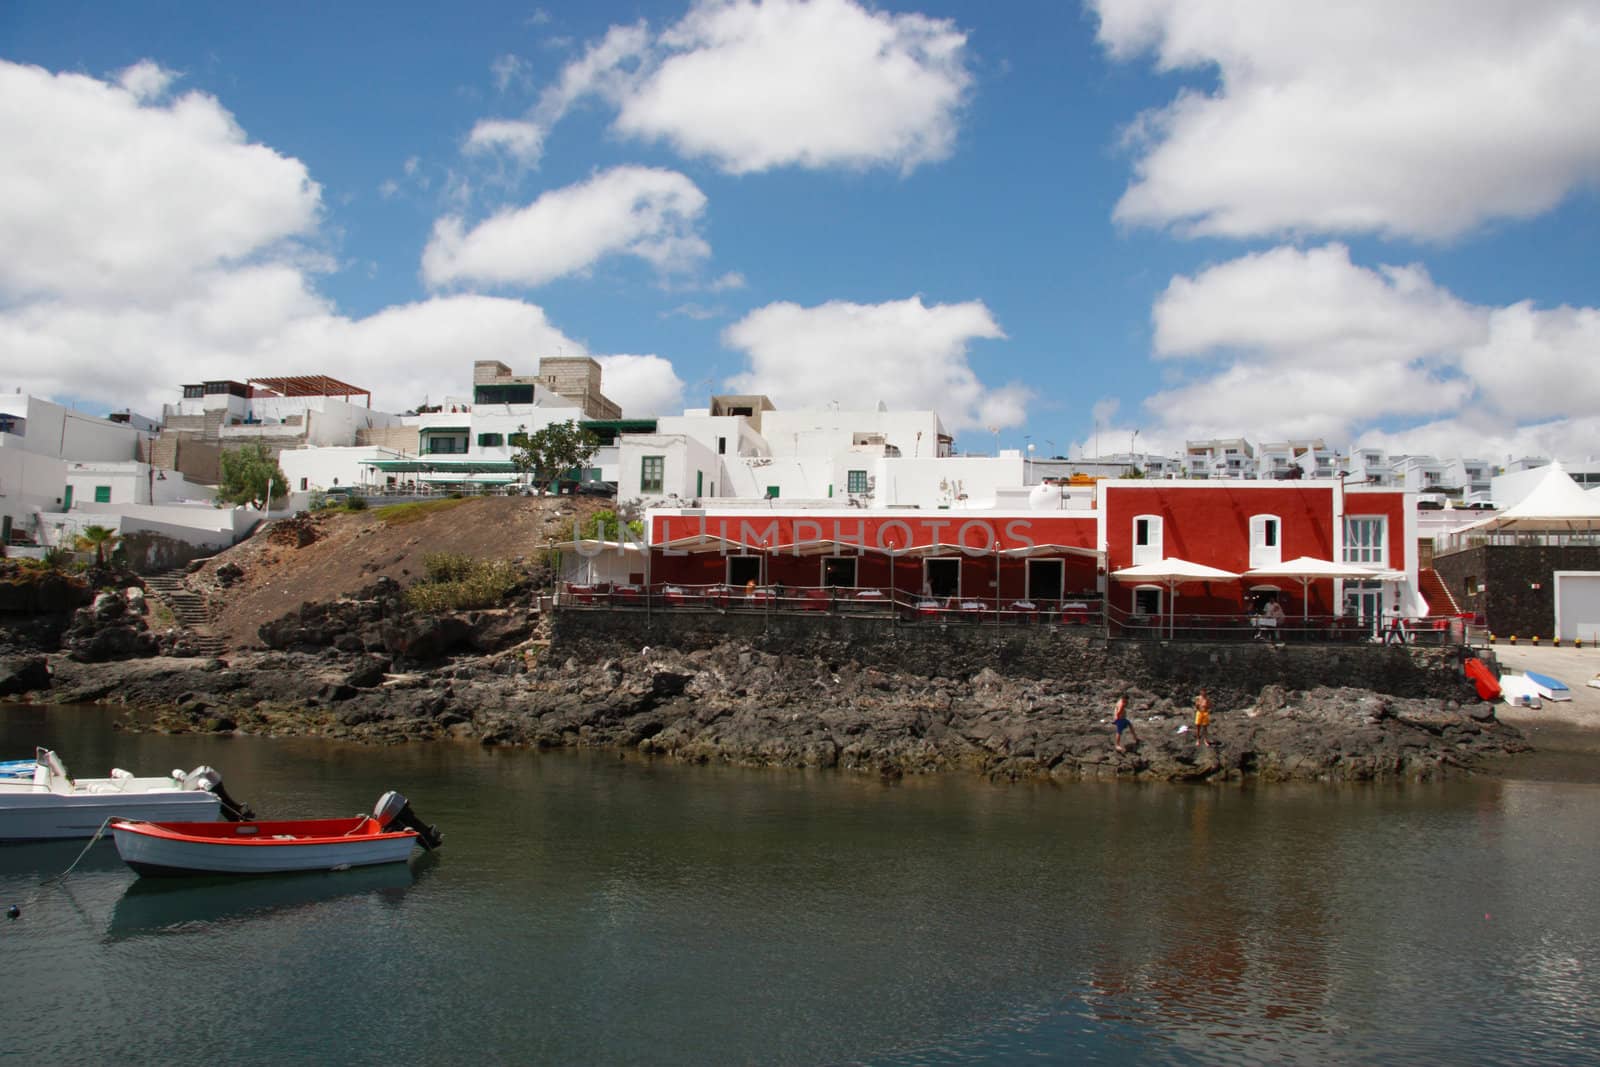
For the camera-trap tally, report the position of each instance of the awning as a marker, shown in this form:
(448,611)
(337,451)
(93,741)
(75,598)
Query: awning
(1038,551)
(445,429)
(1308,569)
(1173,572)
(441,466)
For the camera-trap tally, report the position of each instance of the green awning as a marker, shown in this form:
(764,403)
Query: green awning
(445,429)
(441,466)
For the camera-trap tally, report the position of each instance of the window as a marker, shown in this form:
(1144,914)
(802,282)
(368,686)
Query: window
(194,392)
(856,482)
(490,440)
(1147,546)
(699,482)
(1364,539)
(303,485)
(652,474)
(772,492)
(102,494)
(722,446)
(1265,551)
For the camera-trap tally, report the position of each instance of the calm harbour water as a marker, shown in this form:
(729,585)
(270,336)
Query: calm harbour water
(587,909)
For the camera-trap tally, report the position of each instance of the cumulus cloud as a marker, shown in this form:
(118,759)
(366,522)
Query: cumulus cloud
(146,80)
(519,140)
(1421,120)
(1304,343)
(753,86)
(102,191)
(147,248)
(637,211)
(904,353)
(641,385)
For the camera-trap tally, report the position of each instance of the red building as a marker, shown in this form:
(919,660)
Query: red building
(1053,555)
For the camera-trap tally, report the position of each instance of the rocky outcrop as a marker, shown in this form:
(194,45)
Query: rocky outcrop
(23,674)
(111,628)
(738,704)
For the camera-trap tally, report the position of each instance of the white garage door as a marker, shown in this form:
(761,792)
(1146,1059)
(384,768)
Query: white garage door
(1578,605)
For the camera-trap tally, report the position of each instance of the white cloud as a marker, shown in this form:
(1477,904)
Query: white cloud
(641,385)
(510,72)
(1419,119)
(146,80)
(522,141)
(908,355)
(145,250)
(1311,304)
(100,192)
(731,280)
(1304,343)
(636,211)
(753,86)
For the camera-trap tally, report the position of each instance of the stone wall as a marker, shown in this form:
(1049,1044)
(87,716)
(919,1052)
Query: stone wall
(1511,585)
(1067,653)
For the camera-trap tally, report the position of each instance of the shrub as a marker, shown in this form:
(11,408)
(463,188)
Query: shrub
(460,583)
(356,503)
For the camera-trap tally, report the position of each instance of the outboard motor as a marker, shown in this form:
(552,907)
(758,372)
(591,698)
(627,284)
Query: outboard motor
(210,780)
(393,809)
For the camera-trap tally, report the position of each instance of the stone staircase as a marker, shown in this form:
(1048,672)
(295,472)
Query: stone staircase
(1436,593)
(188,608)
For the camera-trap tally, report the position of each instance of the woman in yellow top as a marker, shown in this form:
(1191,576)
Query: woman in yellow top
(1202,719)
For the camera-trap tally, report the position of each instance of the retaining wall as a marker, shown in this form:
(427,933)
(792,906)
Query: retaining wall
(959,651)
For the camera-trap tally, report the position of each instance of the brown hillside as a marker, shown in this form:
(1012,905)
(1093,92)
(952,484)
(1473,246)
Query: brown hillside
(351,549)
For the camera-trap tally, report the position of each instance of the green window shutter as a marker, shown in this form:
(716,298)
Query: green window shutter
(102,494)
(772,492)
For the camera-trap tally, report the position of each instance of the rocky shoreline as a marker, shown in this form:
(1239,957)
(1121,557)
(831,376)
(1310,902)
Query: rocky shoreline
(738,704)
(1016,706)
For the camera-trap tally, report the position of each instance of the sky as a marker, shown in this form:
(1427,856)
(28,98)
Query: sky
(1081,228)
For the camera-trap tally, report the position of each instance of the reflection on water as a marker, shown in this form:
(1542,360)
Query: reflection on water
(196,905)
(592,909)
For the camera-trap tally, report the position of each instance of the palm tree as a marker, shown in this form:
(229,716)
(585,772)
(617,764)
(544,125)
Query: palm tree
(102,539)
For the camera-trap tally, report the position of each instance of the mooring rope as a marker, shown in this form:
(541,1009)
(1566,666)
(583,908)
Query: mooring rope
(15,910)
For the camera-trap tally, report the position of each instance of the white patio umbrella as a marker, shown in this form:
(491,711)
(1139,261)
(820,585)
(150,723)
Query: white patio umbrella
(1307,569)
(1173,572)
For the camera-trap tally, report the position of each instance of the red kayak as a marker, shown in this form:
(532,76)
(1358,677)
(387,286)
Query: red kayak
(1483,678)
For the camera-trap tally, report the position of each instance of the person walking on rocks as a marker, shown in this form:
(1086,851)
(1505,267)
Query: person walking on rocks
(1202,719)
(1120,722)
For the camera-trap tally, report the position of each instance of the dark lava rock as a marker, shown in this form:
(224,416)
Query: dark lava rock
(23,674)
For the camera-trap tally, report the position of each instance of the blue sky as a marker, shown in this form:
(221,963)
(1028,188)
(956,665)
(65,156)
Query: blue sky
(1375,224)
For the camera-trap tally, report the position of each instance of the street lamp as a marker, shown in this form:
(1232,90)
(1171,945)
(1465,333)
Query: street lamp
(996,431)
(1028,475)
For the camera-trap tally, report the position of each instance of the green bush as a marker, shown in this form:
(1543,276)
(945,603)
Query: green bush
(356,503)
(460,583)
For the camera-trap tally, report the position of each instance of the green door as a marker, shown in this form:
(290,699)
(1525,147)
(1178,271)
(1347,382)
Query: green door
(66,499)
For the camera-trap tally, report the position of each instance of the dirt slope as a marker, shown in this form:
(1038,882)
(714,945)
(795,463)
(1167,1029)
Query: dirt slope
(351,549)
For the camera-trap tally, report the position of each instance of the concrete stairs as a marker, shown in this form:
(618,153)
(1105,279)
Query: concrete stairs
(1436,593)
(188,608)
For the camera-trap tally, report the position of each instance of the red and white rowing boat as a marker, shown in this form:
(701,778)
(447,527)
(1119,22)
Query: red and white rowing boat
(198,848)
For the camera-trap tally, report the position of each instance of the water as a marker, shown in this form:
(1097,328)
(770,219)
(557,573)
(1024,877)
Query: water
(587,909)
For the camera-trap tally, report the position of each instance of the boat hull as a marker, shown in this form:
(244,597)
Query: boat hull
(42,816)
(173,850)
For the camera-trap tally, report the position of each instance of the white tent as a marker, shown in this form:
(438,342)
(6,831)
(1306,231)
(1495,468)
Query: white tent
(1556,503)
(1173,572)
(1308,569)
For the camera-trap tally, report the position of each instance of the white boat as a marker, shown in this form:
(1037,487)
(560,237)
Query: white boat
(52,804)
(1520,691)
(278,847)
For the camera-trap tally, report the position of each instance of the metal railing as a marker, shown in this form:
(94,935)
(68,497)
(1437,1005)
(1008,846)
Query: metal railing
(1437,630)
(1088,612)
(864,601)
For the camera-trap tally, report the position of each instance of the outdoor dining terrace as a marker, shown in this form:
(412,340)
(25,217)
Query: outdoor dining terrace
(1086,614)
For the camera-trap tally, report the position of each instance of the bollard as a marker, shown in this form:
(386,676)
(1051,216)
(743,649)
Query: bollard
(1577,642)
(1513,639)
(1536,639)
(1491,638)
(1556,641)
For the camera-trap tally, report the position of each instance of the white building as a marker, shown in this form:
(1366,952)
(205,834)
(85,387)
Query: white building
(38,438)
